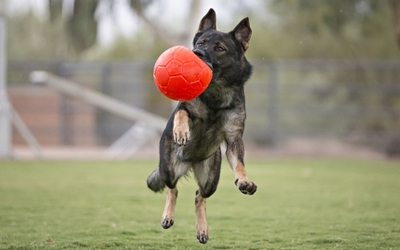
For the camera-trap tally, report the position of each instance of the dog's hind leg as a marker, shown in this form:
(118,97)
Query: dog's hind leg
(168,216)
(171,169)
(201,218)
(175,170)
(207,174)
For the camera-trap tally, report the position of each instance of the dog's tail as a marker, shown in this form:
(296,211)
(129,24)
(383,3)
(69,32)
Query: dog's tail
(154,181)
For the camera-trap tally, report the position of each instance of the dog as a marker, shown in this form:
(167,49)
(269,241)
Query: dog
(196,129)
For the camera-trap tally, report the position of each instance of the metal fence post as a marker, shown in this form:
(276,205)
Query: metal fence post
(5,108)
(105,83)
(273,105)
(64,107)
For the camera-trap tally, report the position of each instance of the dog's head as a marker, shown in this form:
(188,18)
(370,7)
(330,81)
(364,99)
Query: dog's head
(223,51)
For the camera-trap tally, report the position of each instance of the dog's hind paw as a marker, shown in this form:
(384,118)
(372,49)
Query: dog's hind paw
(246,187)
(167,223)
(202,237)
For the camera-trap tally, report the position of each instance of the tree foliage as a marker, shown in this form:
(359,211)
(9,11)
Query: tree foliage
(80,26)
(29,37)
(281,29)
(357,29)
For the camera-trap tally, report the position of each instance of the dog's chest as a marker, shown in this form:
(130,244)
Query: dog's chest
(208,133)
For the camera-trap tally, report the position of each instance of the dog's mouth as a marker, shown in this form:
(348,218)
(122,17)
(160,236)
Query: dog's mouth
(207,62)
(209,65)
(201,54)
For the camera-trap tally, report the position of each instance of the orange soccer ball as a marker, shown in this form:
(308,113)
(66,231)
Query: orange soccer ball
(180,74)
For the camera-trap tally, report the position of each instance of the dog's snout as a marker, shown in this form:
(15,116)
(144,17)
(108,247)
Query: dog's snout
(199,52)
(202,55)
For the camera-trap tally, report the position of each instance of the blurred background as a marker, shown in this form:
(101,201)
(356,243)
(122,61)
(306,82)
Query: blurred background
(326,78)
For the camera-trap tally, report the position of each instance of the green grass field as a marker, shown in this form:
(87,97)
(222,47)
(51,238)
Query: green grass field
(300,204)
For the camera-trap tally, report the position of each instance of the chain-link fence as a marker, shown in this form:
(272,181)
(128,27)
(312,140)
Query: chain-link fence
(352,101)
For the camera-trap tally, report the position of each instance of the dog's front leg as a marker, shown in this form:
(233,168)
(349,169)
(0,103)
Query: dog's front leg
(181,128)
(201,218)
(235,155)
(168,216)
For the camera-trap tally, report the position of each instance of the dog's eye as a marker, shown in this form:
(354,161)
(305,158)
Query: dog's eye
(199,43)
(219,48)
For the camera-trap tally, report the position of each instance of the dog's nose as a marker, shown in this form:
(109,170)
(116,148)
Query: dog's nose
(199,52)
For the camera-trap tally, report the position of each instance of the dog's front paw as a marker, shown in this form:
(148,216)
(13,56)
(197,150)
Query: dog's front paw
(181,134)
(246,187)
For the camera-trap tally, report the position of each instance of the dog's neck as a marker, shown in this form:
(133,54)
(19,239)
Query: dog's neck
(219,97)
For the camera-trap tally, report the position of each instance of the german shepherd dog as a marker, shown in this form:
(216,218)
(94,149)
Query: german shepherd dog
(196,129)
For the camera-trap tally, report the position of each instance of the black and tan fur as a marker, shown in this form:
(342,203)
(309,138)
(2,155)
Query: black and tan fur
(196,129)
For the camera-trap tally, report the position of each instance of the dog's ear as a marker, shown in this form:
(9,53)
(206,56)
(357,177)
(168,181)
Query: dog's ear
(209,21)
(242,33)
